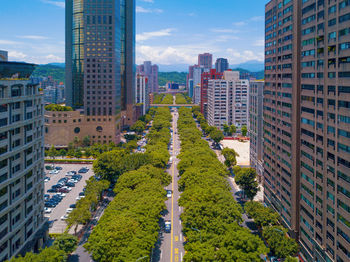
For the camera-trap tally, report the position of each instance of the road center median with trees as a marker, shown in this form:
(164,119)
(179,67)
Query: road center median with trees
(128,229)
(211,216)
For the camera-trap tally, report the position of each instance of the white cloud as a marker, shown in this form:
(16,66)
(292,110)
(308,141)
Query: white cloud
(247,55)
(33,37)
(140,9)
(8,42)
(148,35)
(15,55)
(241,23)
(223,30)
(260,42)
(54,58)
(225,38)
(257,18)
(56,3)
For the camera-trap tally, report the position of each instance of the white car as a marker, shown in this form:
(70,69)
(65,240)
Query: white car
(67,187)
(47,210)
(64,217)
(61,194)
(73,181)
(69,210)
(169,193)
(54,172)
(47,180)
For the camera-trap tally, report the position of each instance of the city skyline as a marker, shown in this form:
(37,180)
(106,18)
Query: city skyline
(167,32)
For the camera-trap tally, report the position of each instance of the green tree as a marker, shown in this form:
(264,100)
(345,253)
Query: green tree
(78,153)
(216,135)
(66,243)
(76,141)
(138,127)
(79,215)
(230,157)
(86,141)
(46,255)
(244,130)
(280,244)
(246,179)
(263,216)
(109,165)
(52,152)
(131,145)
(291,259)
(62,152)
(226,129)
(233,129)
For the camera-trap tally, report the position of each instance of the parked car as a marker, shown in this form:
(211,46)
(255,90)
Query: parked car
(61,194)
(83,170)
(64,217)
(50,167)
(69,184)
(64,179)
(52,190)
(49,204)
(57,186)
(77,177)
(63,190)
(67,187)
(72,181)
(47,210)
(73,206)
(58,168)
(54,172)
(81,194)
(71,173)
(47,179)
(69,210)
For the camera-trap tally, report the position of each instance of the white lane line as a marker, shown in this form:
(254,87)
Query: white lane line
(181,237)
(181,256)
(180,222)
(161,254)
(179,209)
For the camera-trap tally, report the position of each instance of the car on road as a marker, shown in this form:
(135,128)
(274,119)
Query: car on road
(69,210)
(168,193)
(167,226)
(73,206)
(81,194)
(47,210)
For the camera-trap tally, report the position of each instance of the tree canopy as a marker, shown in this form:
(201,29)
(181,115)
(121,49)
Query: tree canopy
(246,179)
(56,107)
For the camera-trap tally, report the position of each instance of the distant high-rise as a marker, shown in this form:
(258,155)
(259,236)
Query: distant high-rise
(205,77)
(151,72)
(307,123)
(256,132)
(22,223)
(3,55)
(100,70)
(228,100)
(221,65)
(142,93)
(205,60)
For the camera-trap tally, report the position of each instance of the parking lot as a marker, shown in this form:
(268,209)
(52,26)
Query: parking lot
(58,225)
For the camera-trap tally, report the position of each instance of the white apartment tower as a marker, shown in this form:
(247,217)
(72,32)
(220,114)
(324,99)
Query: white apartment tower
(228,100)
(22,224)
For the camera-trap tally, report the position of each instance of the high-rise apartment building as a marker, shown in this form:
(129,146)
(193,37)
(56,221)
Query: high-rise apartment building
(221,65)
(205,60)
(306,123)
(205,77)
(151,72)
(228,100)
(256,132)
(100,72)
(22,224)
(196,94)
(142,93)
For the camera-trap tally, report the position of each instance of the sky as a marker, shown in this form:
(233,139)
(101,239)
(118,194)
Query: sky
(167,31)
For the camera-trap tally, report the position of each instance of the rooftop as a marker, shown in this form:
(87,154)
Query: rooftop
(15,70)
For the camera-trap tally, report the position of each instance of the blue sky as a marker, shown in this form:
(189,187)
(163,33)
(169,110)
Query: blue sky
(168,31)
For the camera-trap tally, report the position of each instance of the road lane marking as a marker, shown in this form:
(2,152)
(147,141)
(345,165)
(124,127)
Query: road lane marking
(181,256)
(180,236)
(172,203)
(179,209)
(176,239)
(176,251)
(176,258)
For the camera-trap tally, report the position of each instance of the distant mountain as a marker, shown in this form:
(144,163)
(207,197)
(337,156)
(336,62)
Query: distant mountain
(57,72)
(173,68)
(253,66)
(58,64)
(165,77)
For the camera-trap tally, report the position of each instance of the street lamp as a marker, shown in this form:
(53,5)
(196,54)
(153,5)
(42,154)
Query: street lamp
(200,233)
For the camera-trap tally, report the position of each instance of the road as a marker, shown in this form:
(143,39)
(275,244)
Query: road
(170,245)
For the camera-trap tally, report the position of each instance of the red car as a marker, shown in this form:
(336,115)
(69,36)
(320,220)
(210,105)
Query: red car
(63,190)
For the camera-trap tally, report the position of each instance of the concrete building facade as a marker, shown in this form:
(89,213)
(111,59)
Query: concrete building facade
(197,94)
(3,55)
(23,226)
(255,127)
(142,93)
(228,100)
(205,60)
(306,123)
(151,72)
